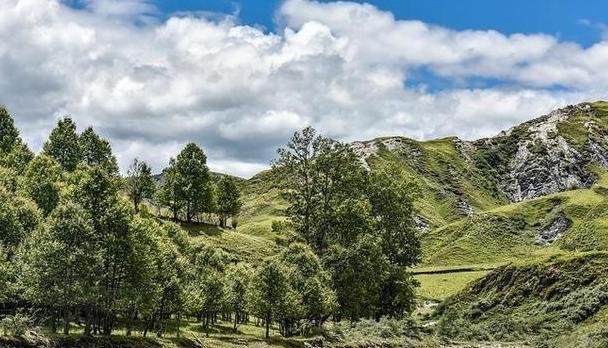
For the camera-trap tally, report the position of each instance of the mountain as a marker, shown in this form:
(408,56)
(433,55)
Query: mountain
(459,179)
(514,227)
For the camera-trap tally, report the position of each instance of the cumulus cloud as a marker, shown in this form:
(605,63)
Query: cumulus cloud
(151,86)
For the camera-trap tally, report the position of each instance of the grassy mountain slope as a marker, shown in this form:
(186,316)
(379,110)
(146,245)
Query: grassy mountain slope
(450,184)
(512,231)
(536,301)
(487,202)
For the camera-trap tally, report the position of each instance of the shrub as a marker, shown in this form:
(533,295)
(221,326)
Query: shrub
(15,325)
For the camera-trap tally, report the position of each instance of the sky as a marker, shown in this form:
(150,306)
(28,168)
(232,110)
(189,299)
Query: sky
(239,77)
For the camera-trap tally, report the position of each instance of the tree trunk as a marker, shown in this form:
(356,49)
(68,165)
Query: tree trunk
(267,323)
(236,319)
(53,322)
(66,321)
(207,320)
(88,322)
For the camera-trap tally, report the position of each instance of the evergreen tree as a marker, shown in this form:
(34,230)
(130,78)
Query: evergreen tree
(228,199)
(139,183)
(63,144)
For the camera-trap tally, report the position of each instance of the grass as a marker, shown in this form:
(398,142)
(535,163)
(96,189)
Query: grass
(508,232)
(262,204)
(440,286)
(529,300)
(239,246)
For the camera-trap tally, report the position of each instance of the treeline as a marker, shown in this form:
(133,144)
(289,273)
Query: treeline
(77,246)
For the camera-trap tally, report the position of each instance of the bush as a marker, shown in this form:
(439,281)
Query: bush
(15,325)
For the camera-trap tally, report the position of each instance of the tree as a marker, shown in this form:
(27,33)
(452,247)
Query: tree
(196,191)
(338,207)
(270,295)
(171,189)
(139,184)
(312,284)
(9,135)
(319,174)
(228,199)
(64,144)
(14,153)
(6,275)
(18,217)
(206,288)
(18,158)
(392,198)
(96,151)
(42,182)
(237,283)
(358,273)
(97,192)
(60,262)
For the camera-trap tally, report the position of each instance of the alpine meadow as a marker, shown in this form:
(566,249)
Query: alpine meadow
(303,174)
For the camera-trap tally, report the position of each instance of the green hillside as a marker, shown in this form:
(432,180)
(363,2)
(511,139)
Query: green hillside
(547,303)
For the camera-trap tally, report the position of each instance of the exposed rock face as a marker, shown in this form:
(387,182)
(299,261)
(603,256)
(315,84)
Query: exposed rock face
(550,233)
(550,154)
(546,163)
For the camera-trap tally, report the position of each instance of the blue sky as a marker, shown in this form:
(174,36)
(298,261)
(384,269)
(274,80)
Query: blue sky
(241,87)
(569,20)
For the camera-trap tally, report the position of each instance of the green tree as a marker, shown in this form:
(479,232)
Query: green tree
(311,282)
(6,277)
(64,144)
(392,197)
(18,158)
(195,180)
(14,153)
(9,135)
(139,184)
(42,182)
(319,175)
(60,262)
(206,286)
(18,217)
(97,192)
(237,283)
(96,151)
(363,260)
(171,189)
(228,199)
(270,294)
(338,206)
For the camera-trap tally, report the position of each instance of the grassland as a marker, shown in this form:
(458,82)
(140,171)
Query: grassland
(533,300)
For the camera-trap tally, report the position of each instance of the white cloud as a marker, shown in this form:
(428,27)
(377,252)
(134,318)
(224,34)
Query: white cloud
(151,86)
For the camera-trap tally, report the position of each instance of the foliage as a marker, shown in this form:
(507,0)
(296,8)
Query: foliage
(139,183)
(96,151)
(357,222)
(228,199)
(16,324)
(42,185)
(63,144)
(195,181)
